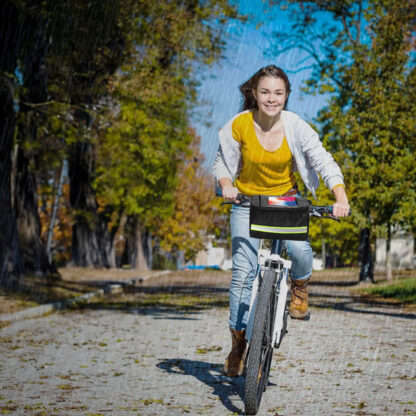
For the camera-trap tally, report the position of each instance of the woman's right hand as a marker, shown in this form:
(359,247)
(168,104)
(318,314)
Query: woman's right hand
(230,193)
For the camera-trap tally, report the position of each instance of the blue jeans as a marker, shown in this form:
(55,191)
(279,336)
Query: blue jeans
(244,252)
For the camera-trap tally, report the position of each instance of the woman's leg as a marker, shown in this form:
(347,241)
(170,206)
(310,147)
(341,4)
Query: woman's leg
(244,252)
(300,252)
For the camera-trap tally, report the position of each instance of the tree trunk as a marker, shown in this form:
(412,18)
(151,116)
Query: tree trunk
(138,252)
(389,268)
(33,249)
(323,253)
(92,243)
(10,261)
(54,211)
(10,39)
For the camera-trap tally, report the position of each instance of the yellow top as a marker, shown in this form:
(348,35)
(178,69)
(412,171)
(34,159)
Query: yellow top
(263,172)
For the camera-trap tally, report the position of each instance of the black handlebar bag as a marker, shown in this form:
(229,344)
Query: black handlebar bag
(282,218)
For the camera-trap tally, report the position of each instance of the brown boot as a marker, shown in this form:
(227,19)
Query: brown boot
(298,308)
(234,363)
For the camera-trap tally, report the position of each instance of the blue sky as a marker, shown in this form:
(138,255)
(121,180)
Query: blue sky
(244,55)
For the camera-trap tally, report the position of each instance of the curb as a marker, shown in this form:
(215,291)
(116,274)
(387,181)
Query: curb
(42,310)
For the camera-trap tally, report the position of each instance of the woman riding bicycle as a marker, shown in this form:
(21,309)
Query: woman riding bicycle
(260,149)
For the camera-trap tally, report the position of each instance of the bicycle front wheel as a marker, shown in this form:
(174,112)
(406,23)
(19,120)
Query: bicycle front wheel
(260,351)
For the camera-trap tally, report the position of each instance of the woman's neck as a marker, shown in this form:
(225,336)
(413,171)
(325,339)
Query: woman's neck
(265,122)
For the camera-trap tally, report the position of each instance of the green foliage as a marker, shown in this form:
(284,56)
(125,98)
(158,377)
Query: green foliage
(121,81)
(403,290)
(194,210)
(363,56)
(161,262)
(146,133)
(340,238)
(374,134)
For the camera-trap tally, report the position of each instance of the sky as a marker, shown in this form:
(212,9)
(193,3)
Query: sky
(246,53)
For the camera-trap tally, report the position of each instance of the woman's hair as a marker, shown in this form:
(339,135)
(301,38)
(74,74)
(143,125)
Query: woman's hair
(246,89)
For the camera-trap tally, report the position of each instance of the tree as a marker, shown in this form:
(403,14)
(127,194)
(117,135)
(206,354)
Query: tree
(73,67)
(149,133)
(192,219)
(11,36)
(31,91)
(335,239)
(363,58)
(30,37)
(89,48)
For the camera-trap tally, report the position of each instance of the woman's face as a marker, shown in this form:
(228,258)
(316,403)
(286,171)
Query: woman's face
(271,95)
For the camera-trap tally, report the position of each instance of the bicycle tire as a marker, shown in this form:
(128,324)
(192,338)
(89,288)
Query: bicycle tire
(260,352)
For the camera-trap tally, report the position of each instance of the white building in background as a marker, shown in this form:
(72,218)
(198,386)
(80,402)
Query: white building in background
(214,256)
(402,248)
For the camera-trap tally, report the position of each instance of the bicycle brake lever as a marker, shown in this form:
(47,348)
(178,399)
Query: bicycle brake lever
(325,215)
(240,197)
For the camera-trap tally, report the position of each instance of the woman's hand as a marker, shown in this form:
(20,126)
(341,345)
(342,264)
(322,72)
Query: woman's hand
(341,208)
(229,192)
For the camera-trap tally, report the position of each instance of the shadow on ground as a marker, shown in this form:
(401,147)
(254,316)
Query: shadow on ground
(184,295)
(211,375)
(44,290)
(167,302)
(334,283)
(359,304)
(186,302)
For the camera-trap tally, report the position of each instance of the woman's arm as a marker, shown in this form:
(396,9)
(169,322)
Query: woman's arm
(323,163)
(223,177)
(319,158)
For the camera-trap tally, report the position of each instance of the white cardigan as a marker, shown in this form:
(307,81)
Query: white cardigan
(309,155)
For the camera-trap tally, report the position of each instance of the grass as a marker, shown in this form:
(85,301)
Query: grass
(403,290)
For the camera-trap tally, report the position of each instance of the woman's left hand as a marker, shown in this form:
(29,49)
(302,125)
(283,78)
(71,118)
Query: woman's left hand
(341,208)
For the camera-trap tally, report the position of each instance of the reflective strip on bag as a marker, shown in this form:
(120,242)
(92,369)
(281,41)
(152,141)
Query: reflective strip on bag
(281,230)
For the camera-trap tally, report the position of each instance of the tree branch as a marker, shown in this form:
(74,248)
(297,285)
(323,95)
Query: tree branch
(347,30)
(358,21)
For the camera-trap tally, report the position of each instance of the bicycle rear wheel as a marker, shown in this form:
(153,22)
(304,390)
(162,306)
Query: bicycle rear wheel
(260,352)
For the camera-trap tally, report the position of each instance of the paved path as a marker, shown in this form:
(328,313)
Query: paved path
(349,359)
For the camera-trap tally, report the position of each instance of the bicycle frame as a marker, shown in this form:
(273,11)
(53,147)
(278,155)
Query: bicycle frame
(268,308)
(269,259)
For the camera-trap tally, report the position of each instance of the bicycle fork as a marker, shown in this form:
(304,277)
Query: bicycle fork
(281,267)
(280,322)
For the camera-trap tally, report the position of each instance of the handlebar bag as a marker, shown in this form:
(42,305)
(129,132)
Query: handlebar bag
(277,217)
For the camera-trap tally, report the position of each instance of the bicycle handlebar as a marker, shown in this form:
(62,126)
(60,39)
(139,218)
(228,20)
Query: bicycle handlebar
(323,211)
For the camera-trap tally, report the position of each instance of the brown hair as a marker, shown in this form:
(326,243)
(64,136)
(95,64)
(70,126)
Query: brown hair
(246,89)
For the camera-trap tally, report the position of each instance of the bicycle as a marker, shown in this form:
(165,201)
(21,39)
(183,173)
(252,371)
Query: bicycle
(268,313)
